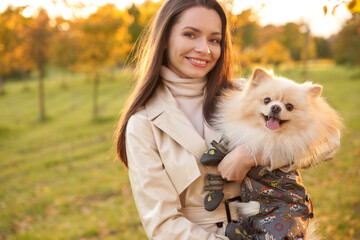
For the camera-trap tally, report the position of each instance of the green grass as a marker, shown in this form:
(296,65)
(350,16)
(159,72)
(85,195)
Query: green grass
(58,179)
(334,186)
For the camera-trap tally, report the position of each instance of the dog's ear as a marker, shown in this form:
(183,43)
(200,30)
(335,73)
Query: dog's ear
(259,75)
(315,90)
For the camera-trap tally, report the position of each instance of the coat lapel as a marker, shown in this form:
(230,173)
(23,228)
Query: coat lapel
(167,116)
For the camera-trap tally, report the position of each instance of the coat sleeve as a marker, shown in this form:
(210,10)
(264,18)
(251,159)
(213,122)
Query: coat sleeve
(156,199)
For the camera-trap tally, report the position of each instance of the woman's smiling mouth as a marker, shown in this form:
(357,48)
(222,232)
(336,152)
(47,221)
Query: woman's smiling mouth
(198,62)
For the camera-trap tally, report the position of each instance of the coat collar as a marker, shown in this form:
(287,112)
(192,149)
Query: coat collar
(164,112)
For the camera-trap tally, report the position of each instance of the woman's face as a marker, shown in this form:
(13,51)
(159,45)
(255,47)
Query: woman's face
(194,47)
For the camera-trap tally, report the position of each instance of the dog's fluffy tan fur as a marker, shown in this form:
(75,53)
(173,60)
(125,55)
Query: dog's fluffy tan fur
(311,122)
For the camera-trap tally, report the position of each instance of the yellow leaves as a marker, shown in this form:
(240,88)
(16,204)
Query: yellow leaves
(105,38)
(13,53)
(352,5)
(147,11)
(275,52)
(325,9)
(101,39)
(271,52)
(127,18)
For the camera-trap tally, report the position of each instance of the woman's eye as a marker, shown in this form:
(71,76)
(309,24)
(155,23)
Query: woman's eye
(189,35)
(289,107)
(215,41)
(267,100)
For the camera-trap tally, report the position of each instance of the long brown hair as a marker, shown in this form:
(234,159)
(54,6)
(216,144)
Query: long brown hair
(151,55)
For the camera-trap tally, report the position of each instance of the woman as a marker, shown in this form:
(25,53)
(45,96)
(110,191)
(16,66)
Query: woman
(182,67)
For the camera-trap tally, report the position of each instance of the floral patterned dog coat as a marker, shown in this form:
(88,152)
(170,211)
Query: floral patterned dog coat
(285,208)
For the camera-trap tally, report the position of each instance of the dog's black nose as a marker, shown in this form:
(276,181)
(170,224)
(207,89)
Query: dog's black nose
(275,109)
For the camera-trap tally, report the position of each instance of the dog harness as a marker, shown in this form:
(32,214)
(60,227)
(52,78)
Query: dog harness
(285,208)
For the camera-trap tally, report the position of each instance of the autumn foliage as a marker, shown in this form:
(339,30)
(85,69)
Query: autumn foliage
(108,37)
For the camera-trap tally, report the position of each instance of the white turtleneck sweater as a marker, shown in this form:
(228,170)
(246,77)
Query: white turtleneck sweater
(189,94)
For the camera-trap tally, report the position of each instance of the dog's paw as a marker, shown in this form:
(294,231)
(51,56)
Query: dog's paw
(247,209)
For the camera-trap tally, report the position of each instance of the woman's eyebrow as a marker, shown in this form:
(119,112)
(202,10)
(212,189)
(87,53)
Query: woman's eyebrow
(198,30)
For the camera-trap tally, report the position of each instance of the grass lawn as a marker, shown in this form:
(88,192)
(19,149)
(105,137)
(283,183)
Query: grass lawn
(58,179)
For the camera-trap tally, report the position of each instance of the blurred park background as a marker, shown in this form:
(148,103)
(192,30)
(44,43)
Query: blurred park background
(66,70)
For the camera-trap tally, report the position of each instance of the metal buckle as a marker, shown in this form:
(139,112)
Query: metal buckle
(227,208)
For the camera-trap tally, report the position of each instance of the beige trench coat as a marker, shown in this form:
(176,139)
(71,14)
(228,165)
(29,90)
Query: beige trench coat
(167,180)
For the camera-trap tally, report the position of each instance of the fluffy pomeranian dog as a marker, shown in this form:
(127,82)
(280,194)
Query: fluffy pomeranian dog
(280,118)
(292,127)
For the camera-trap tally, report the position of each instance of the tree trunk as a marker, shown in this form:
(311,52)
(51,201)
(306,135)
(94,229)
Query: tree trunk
(2,82)
(95,95)
(42,96)
(306,53)
(24,79)
(63,82)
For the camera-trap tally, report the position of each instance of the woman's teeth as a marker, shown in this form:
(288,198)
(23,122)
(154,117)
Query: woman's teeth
(197,61)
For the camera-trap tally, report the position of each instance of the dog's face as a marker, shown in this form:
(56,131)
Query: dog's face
(279,105)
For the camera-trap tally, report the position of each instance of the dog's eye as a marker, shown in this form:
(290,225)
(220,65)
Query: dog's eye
(267,100)
(289,107)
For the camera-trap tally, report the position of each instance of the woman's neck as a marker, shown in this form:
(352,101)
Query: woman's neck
(189,94)
(183,87)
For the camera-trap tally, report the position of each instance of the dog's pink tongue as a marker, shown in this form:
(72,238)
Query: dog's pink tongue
(273,123)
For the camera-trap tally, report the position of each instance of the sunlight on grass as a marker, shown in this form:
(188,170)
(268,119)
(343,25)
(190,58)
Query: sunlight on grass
(59,181)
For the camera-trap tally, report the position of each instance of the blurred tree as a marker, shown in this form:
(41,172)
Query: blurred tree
(245,58)
(64,47)
(104,41)
(39,36)
(274,53)
(14,47)
(323,49)
(347,48)
(245,28)
(23,49)
(306,49)
(135,28)
(270,32)
(250,34)
(7,38)
(148,10)
(293,40)
(142,15)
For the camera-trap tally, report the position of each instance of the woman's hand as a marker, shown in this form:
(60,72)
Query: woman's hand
(236,164)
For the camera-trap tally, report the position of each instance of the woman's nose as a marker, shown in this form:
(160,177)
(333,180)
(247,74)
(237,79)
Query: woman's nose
(202,47)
